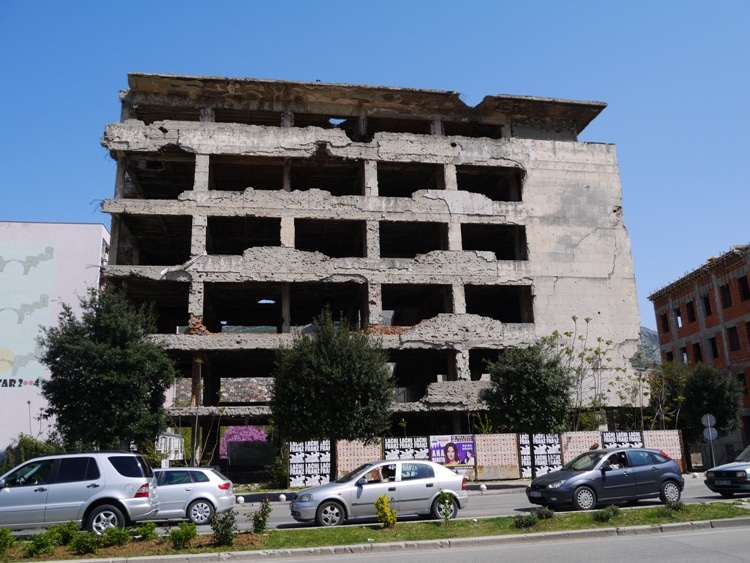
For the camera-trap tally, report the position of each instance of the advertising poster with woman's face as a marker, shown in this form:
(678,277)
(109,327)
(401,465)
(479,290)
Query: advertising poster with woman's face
(452,450)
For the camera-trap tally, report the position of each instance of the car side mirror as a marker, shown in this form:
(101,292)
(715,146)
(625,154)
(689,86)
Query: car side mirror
(3,484)
(361,481)
(607,466)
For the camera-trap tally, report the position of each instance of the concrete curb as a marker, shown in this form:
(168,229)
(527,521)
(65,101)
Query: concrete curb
(339,550)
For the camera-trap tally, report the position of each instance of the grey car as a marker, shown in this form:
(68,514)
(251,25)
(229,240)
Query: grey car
(730,478)
(610,476)
(192,493)
(412,487)
(98,490)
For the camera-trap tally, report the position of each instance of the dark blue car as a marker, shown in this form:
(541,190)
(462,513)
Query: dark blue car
(611,476)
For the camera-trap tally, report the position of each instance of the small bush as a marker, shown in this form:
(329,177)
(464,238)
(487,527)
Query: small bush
(40,543)
(676,505)
(225,528)
(544,513)
(145,531)
(183,535)
(386,515)
(85,543)
(445,501)
(115,537)
(525,520)
(260,516)
(63,534)
(606,514)
(6,540)
(664,511)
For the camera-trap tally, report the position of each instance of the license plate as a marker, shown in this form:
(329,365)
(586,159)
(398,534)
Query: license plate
(535,494)
(723,482)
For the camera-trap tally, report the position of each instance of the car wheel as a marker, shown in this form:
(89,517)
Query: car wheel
(584,498)
(103,517)
(670,492)
(443,511)
(727,494)
(200,512)
(330,513)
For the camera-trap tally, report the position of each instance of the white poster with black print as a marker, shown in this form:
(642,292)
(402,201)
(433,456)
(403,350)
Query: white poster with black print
(309,463)
(622,440)
(411,447)
(545,449)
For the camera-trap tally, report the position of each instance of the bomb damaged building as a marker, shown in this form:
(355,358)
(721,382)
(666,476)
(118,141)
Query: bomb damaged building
(243,207)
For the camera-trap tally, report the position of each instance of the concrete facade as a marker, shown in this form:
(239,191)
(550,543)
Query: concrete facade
(242,207)
(705,317)
(42,266)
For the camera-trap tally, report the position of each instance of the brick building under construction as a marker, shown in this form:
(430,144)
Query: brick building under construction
(243,207)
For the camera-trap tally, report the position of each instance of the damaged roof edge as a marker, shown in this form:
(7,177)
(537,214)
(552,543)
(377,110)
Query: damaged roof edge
(441,101)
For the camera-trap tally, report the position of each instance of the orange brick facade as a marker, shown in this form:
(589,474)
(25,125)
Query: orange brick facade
(705,317)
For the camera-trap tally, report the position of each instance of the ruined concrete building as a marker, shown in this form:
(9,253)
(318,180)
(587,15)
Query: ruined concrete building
(243,207)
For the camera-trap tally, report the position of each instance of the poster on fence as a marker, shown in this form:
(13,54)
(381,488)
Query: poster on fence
(452,450)
(622,440)
(309,463)
(545,449)
(408,447)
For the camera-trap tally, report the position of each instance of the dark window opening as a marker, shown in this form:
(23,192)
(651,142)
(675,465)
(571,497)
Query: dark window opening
(415,369)
(670,357)
(664,322)
(154,240)
(159,175)
(169,300)
(743,382)
(347,124)
(398,125)
(678,317)
(726,296)
(149,113)
(734,338)
(697,354)
(744,288)
(714,348)
(233,235)
(237,172)
(478,358)
(508,242)
(473,129)
(407,240)
(336,239)
(338,176)
(505,303)
(407,305)
(496,183)
(747,331)
(683,355)
(706,304)
(245,374)
(690,306)
(345,300)
(248,117)
(402,179)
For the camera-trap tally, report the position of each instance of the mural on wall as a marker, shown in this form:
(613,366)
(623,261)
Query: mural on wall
(309,463)
(546,451)
(411,447)
(27,272)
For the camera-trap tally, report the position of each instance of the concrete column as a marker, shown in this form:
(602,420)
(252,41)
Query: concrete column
(459,299)
(463,373)
(201,179)
(207,115)
(287,181)
(287,232)
(374,303)
(371,178)
(198,235)
(454,234)
(436,128)
(372,239)
(196,296)
(286,309)
(449,177)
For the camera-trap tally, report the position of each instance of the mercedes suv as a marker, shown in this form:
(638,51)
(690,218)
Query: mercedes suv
(98,490)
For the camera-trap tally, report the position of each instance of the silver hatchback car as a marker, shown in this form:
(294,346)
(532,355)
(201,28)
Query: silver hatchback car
(192,493)
(412,487)
(98,490)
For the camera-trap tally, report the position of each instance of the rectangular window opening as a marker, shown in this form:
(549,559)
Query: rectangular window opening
(678,317)
(706,305)
(726,296)
(744,288)
(690,307)
(734,338)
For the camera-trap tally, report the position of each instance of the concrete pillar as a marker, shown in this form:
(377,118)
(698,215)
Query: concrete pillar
(286,309)
(207,115)
(374,303)
(371,178)
(287,232)
(201,179)
(455,242)
(287,181)
(195,299)
(372,239)
(459,299)
(198,235)
(436,128)
(449,177)
(463,373)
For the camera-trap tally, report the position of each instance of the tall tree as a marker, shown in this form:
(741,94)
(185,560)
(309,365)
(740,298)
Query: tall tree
(333,384)
(529,391)
(108,382)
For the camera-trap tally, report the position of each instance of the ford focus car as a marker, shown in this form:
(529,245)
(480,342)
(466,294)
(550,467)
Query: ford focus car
(412,487)
(609,476)
(731,478)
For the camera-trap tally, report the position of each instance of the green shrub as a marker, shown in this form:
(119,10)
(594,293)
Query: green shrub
(225,528)
(544,513)
(676,505)
(63,534)
(386,515)
(183,535)
(40,543)
(445,501)
(664,511)
(606,514)
(145,531)
(260,516)
(6,540)
(115,537)
(85,543)
(525,520)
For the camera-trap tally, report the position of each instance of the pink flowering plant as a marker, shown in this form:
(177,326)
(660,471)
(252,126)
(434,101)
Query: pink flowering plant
(240,434)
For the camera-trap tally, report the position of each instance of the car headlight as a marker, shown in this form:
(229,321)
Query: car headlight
(741,474)
(710,474)
(555,485)
(304,498)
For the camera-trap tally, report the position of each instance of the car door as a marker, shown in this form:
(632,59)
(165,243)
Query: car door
(73,483)
(24,494)
(645,473)
(617,482)
(417,487)
(363,497)
(175,488)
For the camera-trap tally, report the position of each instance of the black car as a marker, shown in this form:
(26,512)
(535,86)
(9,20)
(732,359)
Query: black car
(610,476)
(731,478)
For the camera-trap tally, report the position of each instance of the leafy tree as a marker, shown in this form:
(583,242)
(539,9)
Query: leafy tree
(708,390)
(529,390)
(107,382)
(667,394)
(25,447)
(333,384)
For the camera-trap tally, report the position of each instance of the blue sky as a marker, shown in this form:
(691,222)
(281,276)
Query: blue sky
(675,75)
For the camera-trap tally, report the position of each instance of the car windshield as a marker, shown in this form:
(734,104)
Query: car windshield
(583,462)
(353,474)
(744,455)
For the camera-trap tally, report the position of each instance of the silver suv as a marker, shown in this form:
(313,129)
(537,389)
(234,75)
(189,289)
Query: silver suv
(98,490)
